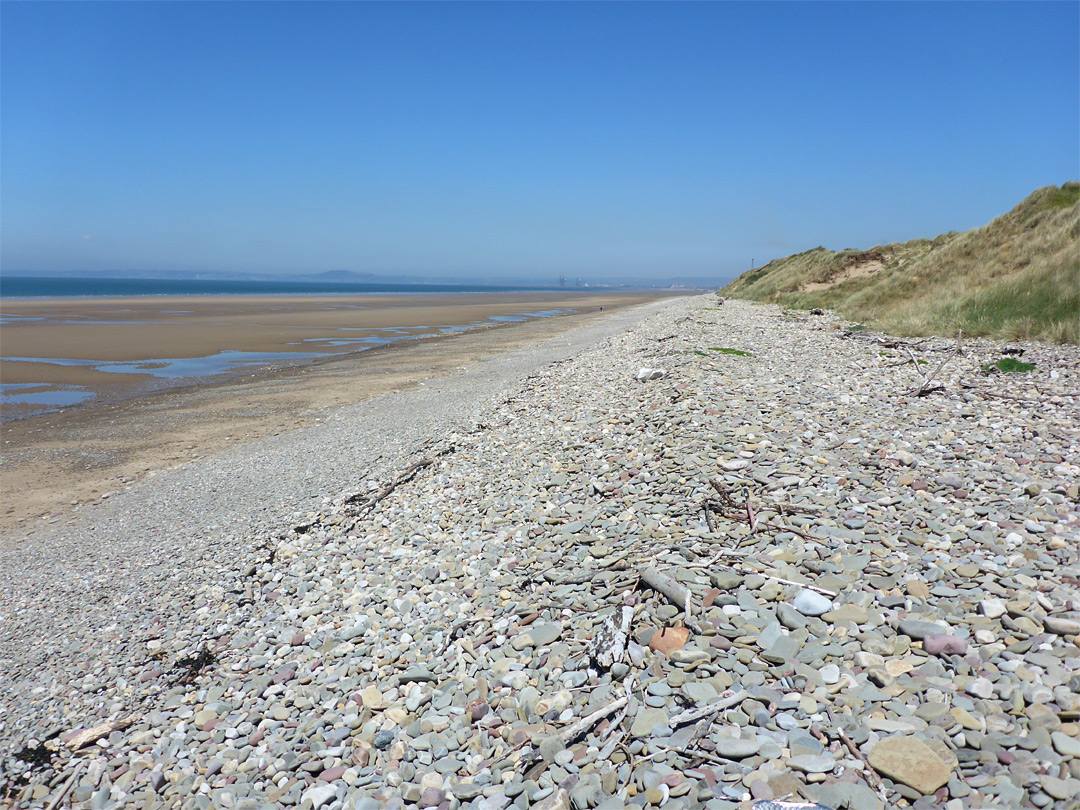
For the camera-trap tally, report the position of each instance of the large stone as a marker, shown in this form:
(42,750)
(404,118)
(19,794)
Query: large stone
(812,763)
(373,698)
(319,795)
(736,748)
(1062,626)
(913,628)
(942,644)
(847,613)
(783,650)
(537,636)
(1065,745)
(559,800)
(911,762)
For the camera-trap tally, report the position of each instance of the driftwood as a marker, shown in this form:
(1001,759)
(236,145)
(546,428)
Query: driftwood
(726,506)
(405,477)
(871,775)
(927,387)
(787,506)
(571,733)
(609,645)
(68,785)
(678,595)
(367,505)
(81,739)
(782,581)
(727,699)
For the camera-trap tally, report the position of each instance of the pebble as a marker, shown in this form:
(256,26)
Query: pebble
(809,603)
(431,652)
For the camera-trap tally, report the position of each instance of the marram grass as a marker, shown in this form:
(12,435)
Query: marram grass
(1018,277)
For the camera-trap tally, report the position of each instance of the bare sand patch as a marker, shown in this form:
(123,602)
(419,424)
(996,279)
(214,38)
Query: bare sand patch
(866,264)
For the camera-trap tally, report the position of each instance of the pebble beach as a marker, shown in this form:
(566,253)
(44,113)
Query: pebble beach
(696,554)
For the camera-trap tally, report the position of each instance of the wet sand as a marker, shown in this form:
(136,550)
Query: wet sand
(56,461)
(105,350)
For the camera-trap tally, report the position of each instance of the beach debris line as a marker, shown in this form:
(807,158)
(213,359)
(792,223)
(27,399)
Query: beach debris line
(362,504)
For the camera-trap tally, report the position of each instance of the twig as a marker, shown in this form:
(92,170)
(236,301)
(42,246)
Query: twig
(702,728)
(404,478)
(916,364)
(67,786)
(927,387)
(823,591)
(871,775)
(724,552)
(727,699)
(571,733)
(616,740)
(791,529)
(692,755)
(793,507)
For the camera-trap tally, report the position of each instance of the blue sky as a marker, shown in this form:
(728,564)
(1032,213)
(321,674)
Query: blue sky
(616,142)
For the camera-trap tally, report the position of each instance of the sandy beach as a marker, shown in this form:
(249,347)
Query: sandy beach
(53,462)
(95,351)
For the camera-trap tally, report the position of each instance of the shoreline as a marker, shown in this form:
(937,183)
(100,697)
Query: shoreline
(56,462)
(71,352)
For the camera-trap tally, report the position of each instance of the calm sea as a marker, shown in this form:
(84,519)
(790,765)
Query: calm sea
(41,287)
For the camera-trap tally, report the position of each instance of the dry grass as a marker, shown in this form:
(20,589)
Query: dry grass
(1017,277)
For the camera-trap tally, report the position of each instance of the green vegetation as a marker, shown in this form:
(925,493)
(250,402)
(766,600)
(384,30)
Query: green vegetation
(1009,365)
(736,352)
(1018,277)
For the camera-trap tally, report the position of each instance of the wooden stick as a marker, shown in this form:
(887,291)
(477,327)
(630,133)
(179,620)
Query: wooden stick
(793,507)
(87,736)
(749,511)
(916,364)
(871,775)
(727,699)
(692,755)
(791,529)
(67,786)
(677,594)
(571,733)
(823,591)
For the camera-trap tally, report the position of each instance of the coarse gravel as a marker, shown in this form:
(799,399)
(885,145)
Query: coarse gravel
(699,554)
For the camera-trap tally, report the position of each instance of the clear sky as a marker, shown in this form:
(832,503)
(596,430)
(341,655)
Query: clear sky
(500,141)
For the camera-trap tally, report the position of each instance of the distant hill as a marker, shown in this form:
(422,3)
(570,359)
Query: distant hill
(1018,277)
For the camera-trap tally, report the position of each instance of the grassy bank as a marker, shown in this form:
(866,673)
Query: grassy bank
(1017,277)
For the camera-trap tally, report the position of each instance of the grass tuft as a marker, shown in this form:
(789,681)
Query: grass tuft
(1008,365)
